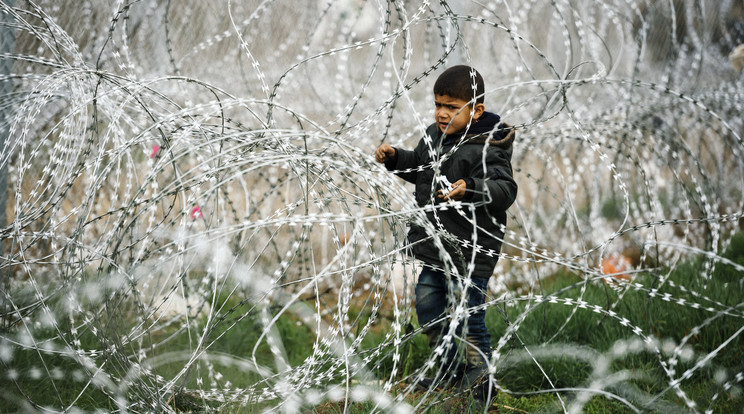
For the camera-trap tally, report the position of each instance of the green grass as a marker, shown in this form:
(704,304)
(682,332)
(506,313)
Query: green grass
(49,380)
(664,320)
(582,332)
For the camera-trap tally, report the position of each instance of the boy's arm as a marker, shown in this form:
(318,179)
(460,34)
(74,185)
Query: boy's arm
(498,189)
(407,165)
(399,159)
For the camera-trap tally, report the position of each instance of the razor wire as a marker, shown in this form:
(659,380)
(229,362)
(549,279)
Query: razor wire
(178,172)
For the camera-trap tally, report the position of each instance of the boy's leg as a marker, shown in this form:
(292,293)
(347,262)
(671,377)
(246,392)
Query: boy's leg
(478,349)
(432,303)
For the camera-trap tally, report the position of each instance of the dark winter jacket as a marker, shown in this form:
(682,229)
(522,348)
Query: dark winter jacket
(482,157)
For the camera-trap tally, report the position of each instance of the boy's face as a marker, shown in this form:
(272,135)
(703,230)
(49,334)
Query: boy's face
(453,114)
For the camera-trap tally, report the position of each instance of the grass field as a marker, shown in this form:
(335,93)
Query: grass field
(628,349)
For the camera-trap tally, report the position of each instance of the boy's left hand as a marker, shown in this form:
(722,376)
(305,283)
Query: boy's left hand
(456,192)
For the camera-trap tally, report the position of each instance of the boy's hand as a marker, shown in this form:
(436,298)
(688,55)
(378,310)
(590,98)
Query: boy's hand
(384,152)
(456,192)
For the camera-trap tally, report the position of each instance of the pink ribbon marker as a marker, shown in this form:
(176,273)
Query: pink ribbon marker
(155,149)
(196,212)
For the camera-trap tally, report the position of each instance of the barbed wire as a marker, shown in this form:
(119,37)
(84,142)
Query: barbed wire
(185,178)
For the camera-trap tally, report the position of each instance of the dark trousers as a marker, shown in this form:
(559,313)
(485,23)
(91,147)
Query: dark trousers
(438,299)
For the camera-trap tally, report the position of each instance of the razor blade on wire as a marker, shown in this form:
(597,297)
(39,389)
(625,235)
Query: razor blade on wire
(446,184)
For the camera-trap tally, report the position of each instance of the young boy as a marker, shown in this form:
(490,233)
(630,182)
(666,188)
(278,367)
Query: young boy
(469,148)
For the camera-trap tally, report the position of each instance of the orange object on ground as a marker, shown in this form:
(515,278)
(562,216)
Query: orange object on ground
(615,265)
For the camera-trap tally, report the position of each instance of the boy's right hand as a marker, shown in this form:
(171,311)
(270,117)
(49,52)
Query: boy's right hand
(384,152)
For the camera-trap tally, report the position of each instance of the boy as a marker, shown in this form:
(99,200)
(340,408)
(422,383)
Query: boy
(468,147)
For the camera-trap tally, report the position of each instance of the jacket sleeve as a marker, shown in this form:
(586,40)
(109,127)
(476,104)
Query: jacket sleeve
(407,162)
(494,181)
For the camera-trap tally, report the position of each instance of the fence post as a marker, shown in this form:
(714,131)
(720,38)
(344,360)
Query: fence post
(7,44)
